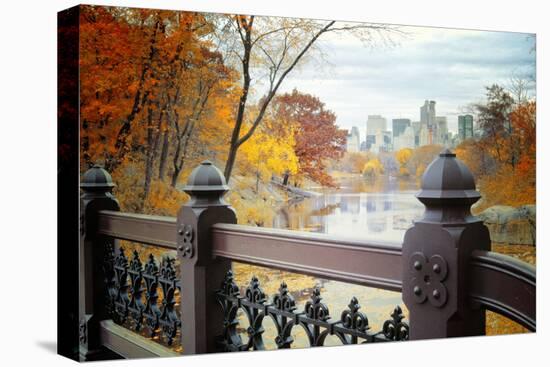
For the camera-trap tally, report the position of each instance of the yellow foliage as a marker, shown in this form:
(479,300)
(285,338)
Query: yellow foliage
(266,155)
(403,157)
(373,168)
(163,199)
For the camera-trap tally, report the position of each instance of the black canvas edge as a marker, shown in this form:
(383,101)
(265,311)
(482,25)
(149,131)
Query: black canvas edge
(67,182)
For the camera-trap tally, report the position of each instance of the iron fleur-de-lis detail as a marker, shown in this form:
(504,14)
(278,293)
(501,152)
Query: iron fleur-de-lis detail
(352,318)
(254,293)
(168,320)
(136,306)
(121,277)
(396,328)
(315,309)
(283,300)
(152,312)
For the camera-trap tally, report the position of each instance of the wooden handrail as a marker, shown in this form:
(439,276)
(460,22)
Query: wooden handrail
(368,263)
(148,229)
(504,285)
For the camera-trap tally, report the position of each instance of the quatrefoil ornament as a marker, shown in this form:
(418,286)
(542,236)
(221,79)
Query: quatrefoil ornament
(428,279)
(186,249)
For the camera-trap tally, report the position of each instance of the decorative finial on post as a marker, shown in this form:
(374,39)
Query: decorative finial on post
(436,253)
(448,190)
(206,186)
(97,181)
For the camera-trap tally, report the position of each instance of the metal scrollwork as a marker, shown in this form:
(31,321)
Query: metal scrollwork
(315,309)
(168,320)
(132,293)
(151,313)
(352,327)
(136,306)
(396,328)
(428,279)
(228,298)
(121,278)
(109,277)
(83,331)
(352,318)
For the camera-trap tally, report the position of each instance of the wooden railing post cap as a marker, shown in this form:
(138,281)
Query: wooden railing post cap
(448,181)
(97,180)
(206,185)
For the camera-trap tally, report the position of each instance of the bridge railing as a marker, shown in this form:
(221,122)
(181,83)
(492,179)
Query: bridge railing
(139,304)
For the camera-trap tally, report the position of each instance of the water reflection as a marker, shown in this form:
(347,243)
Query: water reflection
(356,210)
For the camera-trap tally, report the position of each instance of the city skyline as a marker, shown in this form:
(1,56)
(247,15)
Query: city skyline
(449,66)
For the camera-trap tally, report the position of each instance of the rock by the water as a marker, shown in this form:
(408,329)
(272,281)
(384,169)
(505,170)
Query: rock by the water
(511,225)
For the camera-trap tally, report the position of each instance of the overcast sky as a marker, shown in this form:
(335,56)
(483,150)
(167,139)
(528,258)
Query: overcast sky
(448,66)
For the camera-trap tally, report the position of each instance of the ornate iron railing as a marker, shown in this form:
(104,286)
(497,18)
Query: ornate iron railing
(129,283)
(444,270)
(351,328)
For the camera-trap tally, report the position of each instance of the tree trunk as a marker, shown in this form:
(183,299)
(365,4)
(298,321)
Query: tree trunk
(163,154)
(153,138)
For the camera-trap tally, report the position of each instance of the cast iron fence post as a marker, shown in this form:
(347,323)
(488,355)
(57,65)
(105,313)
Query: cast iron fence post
(436,253)
(96,185)
(202,318)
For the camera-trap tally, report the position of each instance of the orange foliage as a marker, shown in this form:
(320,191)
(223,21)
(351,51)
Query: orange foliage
(501,180)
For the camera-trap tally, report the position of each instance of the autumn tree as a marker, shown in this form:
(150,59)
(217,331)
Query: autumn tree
(318,138)
(403,156)
(268,154)
(504,158)
(149,79)
(421,157)
(494,120)
(354,162)
(269,48)
(373,168)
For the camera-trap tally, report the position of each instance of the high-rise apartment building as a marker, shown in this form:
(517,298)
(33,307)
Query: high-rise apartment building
(442,131)
(465,127)
(376,123)
(404,140)
(428,125)
(399,126)
(352,141)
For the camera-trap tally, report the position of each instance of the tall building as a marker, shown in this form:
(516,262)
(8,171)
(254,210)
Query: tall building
(382,142)
(416,128)
(376,123)
(405,140)
(399,126)
(353,142)
(427,113)
(429,126)
(465,127)
(442,131)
